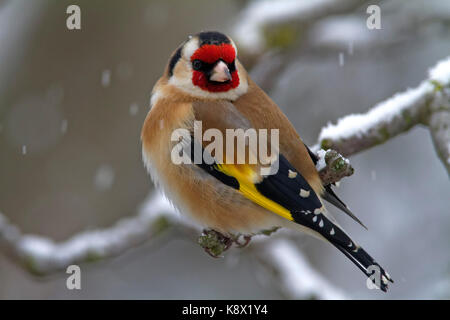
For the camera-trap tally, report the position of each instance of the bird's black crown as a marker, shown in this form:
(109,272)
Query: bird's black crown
(212,37)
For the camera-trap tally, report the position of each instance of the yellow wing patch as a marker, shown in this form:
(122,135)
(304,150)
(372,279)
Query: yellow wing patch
(247,177)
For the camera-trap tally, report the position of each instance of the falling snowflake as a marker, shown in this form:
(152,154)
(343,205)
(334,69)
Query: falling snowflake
(64,126)
(106,78)
(134,108)
(341,59)
(104,177)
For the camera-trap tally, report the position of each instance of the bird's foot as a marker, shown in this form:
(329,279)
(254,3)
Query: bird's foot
(215,243)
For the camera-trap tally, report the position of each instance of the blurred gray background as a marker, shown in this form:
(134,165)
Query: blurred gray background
(72,104)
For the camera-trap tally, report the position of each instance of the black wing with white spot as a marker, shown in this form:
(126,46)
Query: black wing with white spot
(293,192)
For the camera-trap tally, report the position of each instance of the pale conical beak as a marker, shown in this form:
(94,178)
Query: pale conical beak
(220,73)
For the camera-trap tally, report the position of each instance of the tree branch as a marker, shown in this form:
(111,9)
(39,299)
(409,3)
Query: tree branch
(439,123)
(428,104)
(41,255)
(332,166)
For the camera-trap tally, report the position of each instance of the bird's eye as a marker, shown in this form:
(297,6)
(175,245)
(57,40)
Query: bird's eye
(232,66)
(197,64)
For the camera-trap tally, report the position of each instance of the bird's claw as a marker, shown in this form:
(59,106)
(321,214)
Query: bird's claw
(243,244)
(215,243)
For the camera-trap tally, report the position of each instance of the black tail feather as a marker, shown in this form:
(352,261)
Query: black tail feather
(367,265)
(332,198)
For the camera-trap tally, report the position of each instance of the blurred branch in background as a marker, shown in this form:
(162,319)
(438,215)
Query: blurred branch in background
(42,256)
(292,273)
(265,25)
(269,31)
(272,35)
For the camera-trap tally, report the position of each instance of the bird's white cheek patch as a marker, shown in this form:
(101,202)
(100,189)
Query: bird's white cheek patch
(190,47)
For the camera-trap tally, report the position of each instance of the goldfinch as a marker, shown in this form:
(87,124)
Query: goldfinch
(205,86)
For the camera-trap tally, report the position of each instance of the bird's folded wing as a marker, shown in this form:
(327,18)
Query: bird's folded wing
(285,191)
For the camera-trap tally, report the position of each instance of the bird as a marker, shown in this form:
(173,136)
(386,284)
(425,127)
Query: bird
(205,88)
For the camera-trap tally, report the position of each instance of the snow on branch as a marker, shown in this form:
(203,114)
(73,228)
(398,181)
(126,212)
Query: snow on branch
(427,104)
(356,132)
(41,255)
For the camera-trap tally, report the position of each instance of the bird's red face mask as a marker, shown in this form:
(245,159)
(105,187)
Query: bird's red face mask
(214,67)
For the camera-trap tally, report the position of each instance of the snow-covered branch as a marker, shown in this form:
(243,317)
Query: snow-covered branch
(438,118)
(42,256)
(426,104)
